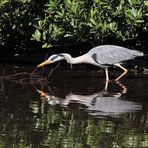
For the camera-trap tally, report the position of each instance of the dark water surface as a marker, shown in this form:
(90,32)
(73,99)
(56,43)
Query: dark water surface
(71,110)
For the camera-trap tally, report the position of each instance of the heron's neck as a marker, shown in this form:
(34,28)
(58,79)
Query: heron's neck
(80,59)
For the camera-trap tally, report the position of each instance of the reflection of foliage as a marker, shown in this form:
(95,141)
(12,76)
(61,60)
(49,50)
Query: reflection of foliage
(67,128)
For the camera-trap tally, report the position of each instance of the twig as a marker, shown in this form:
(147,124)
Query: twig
(25,77)
(46,57)
(52,70)
(34,71)
(17,74)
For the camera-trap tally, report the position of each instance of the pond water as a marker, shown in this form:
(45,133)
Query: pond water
(71,109)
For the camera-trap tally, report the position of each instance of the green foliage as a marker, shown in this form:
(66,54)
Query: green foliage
(69,21)
(17,18)
(93,21)
(2,2)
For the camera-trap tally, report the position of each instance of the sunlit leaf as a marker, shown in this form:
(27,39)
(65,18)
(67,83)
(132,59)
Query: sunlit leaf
(3,2)
(44,45)
(50,28)
(92,21)
(134,12)
(37,35)
(44,35)
(14,26)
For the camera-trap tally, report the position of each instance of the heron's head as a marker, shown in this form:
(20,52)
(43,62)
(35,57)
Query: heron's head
(55,58)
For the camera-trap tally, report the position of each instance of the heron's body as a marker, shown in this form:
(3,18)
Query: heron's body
(111,54)
(102,56)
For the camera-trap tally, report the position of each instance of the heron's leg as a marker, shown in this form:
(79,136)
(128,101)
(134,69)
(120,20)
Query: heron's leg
(125,71)
(106,85)
(106,72)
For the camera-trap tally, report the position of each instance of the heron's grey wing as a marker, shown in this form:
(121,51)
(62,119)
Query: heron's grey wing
(111,54)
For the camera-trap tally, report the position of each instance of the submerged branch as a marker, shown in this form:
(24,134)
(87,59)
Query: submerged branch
(26,77)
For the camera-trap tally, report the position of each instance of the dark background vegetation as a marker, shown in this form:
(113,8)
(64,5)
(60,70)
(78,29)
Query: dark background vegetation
(38,27)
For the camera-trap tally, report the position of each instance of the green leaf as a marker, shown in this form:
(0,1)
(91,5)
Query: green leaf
(96,1)
(55,28)
(49,46)
(74,8)
(44,35)
(44,45)
(146,3)
(59,14)
(3,2)
(113,26)
(50,28)
(14,26)
(40,23)
(67,2)
(92,21)
(139,21)
(37,35)
(134,12)
(134,2)
(92,12)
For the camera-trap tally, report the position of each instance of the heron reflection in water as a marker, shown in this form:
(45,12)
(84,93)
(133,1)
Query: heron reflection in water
(103,56)
(99,103)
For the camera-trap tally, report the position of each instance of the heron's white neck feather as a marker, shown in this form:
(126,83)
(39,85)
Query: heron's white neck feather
(81,59)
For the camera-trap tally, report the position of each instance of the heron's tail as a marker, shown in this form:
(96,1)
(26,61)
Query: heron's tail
(139,53)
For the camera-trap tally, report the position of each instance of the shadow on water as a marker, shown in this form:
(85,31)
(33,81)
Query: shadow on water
(72,111)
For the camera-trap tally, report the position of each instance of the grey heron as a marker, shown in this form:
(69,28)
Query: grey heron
(103,56)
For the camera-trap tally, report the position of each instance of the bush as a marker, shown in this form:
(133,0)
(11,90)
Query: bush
(71,21)
(58,22)
(17,18)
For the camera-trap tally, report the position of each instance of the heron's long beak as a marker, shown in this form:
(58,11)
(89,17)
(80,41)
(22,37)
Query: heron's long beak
(45,63)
